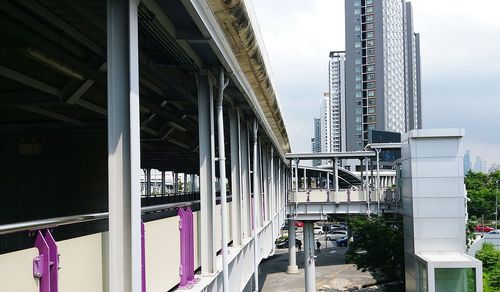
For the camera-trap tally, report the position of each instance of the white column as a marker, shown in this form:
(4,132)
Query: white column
(124,149)
(207,173)
(309,257)
(236,176)
(336,179)
(256,257)
(292,261)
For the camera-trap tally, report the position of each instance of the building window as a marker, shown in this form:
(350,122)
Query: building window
(357,53)
(370,76)
(371,127)
(371,93)
(358,119)
(357,69)
(358,86)
(370,119)
(369,26)
(370,43)
(369,35)
(357,28)
(370,52)
(368,2)
(357,3)
(357,78)
(371,110)
(357,11)
(370,68)
(371,60)
(370,85)
(358,94)
(369,18)
(357,61)
(357,44)
(369,9)
(371,102)
(357,111)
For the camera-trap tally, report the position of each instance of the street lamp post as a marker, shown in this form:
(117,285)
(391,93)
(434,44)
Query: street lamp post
(496,206)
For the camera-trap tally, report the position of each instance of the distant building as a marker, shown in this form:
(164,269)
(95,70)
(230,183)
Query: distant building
(382,70)
(480,165)
(333,105)
(467,163)
(316,141)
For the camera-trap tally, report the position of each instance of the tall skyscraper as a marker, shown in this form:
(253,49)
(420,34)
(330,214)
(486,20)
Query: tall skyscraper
(382,68)
(316,141)
(332,106)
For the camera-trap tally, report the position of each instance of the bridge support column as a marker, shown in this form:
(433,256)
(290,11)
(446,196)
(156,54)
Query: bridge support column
(336,179)
(207,173)
(124,149)
(256,202)
(292,256)
(234,135)
(163,182)
(309,257)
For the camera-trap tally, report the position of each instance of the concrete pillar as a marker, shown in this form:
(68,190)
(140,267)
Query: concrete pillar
(234,134)
(176,183)
(292,251)
(256,203)
(305,180)
(184,183)
(309,257)
(207,173)
(367,188)
(163,182)
(336,179)
(245,179)
(361,174)
(124,149)
(148,182)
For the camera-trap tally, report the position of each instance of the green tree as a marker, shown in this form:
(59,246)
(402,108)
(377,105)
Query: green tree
(491,267)
(481,190)
(378,247)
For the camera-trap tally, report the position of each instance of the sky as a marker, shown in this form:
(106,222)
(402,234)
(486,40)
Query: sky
(460,59)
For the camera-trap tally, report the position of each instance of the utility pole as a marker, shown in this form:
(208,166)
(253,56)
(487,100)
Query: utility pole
(496,206)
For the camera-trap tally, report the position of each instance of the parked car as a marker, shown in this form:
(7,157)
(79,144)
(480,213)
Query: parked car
(336,234)
(484,228)
(299,224)
(497,231)
(282,242)
(342,241)
(318,230)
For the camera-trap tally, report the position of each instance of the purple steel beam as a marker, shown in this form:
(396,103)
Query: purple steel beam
(184,268)
(46,264)
(143,257)
(41,263)
(190,236)
(53,261)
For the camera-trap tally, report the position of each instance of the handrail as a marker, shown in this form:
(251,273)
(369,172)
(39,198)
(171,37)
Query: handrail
(68,220)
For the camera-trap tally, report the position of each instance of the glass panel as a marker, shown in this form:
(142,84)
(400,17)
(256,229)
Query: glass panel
(422,277)
(455,280)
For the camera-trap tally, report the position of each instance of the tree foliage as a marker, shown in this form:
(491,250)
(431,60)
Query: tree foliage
(378,247)
(491,266)
(481,190)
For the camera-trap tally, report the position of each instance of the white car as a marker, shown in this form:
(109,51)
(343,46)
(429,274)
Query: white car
(336,234)
(318,230)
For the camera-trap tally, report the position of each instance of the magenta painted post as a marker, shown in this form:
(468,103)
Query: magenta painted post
(183,269)
(53,261)
(190,236)
(143,257)
(41,263)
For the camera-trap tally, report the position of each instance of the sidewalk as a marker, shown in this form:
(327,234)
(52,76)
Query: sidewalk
(332,274)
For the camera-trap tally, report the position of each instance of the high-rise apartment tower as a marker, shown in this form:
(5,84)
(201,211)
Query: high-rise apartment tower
(382,69)
(332,106)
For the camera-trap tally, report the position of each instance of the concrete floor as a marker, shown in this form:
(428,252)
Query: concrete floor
(332,274)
